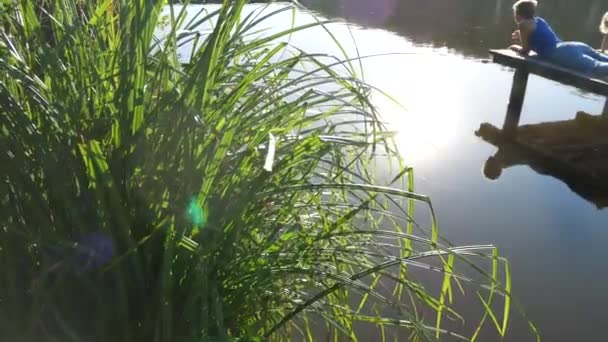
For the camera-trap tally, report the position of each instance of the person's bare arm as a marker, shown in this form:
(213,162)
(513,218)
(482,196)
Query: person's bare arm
(526,28)
(521,37)
(516,39)
(604,46)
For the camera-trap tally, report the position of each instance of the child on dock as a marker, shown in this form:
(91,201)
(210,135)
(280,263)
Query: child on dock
(604,31)
(535,34)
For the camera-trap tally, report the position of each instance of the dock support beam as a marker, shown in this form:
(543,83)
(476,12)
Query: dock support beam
(605,110)
(516,102)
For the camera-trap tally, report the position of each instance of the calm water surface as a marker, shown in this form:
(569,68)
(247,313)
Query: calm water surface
(555,240)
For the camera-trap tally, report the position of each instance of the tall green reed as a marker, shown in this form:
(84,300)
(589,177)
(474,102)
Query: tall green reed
(225,198)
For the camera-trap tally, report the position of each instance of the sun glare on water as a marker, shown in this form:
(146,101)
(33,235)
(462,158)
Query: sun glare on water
(417,105)
(422,111)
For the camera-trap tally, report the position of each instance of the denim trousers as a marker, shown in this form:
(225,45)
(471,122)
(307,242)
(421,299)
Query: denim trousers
(580,57)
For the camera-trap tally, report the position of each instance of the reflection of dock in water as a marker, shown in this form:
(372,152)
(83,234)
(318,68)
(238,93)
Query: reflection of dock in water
(574,151)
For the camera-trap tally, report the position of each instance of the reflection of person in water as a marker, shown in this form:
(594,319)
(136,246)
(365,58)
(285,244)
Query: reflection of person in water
(506,157)
(492,168)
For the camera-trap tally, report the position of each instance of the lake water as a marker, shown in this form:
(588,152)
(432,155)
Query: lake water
(555,240)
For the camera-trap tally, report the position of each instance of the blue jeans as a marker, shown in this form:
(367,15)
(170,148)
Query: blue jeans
(580,57)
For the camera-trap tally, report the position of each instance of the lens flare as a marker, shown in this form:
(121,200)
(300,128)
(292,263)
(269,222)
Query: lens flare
(196,215)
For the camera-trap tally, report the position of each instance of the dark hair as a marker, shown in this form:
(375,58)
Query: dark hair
(525,8)
(492,168)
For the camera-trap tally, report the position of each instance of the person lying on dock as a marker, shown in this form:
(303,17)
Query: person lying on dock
(535,34)
(604,32)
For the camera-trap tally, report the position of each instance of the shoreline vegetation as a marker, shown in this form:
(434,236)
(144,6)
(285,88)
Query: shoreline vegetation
(226,199)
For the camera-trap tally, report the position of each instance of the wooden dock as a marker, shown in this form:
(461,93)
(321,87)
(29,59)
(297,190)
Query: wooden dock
(524,66)
(573,151)
(533,65)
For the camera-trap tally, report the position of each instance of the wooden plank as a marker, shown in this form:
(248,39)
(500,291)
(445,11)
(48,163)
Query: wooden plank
(516,102)
(549,70)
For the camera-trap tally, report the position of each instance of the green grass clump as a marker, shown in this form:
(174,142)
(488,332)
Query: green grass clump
(229,198)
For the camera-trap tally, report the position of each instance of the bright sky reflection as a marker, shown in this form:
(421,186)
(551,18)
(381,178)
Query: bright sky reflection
(431,112)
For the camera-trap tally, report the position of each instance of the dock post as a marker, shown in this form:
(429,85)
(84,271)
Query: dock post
(605,110)
(516,102)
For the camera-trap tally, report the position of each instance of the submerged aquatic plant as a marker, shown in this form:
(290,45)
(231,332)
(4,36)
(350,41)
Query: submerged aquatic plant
(105,133)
